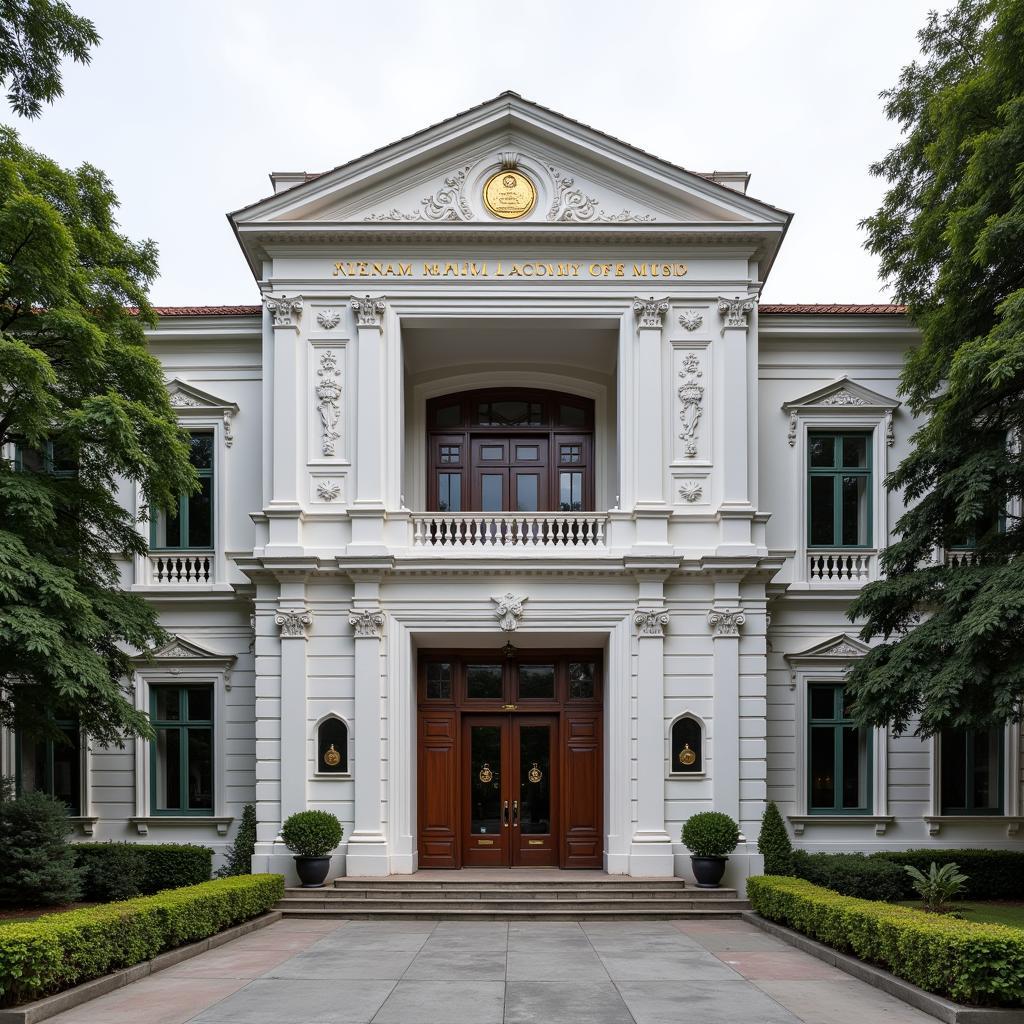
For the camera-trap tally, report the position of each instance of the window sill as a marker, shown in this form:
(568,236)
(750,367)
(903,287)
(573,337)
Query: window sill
(935,822)
(143,823)
(343,776)
(880,821)
(676,776)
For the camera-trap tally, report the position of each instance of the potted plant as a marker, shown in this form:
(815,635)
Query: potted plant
(710,837)
(311,836)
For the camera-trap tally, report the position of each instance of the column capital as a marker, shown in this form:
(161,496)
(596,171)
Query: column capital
(726,622)
(650,313)
(369,311)
(285,310)
(650,622)
(367,622)
(294,621)
(734,311)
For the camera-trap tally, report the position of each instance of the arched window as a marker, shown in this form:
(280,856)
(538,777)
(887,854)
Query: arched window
(332,747)
(687,746)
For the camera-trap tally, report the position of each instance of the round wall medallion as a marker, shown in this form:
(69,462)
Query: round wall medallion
(486,775)
(686,755)
(332,757)
(535,774)
(509,195)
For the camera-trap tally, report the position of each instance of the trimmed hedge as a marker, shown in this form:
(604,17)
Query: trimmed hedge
(971,963)
(853,874)
(991,874)
(59,951)
(114,871)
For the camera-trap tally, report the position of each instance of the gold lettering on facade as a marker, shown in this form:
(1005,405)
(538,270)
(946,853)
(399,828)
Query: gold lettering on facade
(527,268)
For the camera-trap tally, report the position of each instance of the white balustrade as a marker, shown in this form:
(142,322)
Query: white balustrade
(960,556)
(840,566)
(180,569)
(482,531)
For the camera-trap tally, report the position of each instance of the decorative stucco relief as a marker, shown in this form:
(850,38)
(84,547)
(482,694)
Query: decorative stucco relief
(367,622)
(328,395)
(691,490)
(369,311)
(328,490)
(691,395)
(447,203)
(726,621)
(328,319)
(285,310)
(841,649)
(734,311)
(293,622)
(691,319)
(843,397)
(508,611)
(650,621)
(650,312)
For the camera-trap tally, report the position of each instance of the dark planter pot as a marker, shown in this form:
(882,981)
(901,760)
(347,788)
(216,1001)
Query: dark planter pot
(312,871)
(708,871)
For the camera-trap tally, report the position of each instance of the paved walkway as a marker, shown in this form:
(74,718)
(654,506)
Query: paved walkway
(422,972)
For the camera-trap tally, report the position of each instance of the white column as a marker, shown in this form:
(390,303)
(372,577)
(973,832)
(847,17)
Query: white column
(371,403)
(734,312)
(650,852)
(650,463)
(285,312)
(725,621)
(367,847)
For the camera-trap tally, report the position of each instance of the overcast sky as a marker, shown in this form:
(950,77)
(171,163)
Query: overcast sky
(188,105)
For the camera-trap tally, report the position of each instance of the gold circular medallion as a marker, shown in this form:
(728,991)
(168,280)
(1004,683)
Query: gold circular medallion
(509,195)
(486,775)
(686,755)
(332,757)
(535,774)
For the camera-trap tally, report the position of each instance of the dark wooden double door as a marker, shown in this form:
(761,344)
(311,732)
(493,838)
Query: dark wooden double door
(516,784)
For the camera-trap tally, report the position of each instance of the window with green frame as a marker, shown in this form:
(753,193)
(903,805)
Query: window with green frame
(52,766)
(971,771)
(190,524)
(839,490)
(181,756)
(838,754)
(52,458)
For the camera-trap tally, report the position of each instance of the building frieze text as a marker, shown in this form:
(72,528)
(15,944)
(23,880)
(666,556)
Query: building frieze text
(505,269)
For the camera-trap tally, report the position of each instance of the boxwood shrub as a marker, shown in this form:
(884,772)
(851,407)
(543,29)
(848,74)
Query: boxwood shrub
(991,874)
(853,874)
(980,964)
(117,871)
(59,951)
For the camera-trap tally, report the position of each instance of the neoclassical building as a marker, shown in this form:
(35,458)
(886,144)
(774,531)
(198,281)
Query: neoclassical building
(524,532)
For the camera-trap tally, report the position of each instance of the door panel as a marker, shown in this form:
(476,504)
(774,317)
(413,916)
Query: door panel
(535,775)
(438,790)
(486,807)
(581,791)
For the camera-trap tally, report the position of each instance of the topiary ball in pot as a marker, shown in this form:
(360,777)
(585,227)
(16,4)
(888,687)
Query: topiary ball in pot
(710,837)
(311,836)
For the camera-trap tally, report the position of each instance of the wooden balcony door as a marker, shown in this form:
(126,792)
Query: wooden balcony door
(510,474)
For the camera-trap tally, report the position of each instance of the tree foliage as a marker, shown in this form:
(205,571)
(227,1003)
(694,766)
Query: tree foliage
(75,374)
(35,35)
(950,237)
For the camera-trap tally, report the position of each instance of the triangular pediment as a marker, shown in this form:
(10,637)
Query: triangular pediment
(579,175)
(843,393)
(181,649)
(187,397)
(841,647)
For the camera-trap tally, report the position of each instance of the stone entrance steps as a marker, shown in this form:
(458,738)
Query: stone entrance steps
(561,899)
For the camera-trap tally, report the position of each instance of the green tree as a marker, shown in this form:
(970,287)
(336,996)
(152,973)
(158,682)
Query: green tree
(773,842)
(35,35)
(78,391)
(950,234)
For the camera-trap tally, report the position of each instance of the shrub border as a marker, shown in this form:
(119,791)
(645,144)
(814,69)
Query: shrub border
(937,1006)
(50,1006)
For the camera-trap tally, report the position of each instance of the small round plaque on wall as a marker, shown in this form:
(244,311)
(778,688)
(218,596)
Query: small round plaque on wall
(509,194)
(332,757)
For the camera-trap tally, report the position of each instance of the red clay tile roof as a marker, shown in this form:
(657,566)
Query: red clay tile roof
(206,310)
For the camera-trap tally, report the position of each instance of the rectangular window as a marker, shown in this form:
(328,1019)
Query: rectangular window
(838,754)
(839,490)
(52,766)
(971,771)
(189,525)
(182,754)
(52,458)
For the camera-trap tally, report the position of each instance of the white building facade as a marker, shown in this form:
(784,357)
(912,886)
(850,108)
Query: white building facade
(525,533)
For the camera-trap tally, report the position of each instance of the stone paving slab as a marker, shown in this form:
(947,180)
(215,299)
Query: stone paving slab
(425,972)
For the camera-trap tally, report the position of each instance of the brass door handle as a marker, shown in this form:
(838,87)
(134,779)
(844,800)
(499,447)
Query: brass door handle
(515,814)
(504,814)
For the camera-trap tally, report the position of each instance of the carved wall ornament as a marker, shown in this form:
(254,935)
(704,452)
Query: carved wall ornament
(328,395)
(691,490)
(650,621)
(508,611)
(369,311)
(179,400)
(328,490)
(627,217)
(691,394)
(284,309)
(843,397)
(328,319)
(229,437)
(842,649)
(890,433)
(734,311)
(726,621)
(691,319)
(177,651)
(294,622)
(367,622)
(447,203)
(651,312)
(569,203)
(791,436)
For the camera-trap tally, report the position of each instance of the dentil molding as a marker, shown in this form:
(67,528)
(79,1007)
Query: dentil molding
(734,311)
(284,309)
(650,312)
(726,621)
(293,622)
(369,311)
(508,611)
(367,622)
(650,621)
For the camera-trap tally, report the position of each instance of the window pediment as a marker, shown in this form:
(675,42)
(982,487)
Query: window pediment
(837,649)
(179,651)
(193,406)
(843,393)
